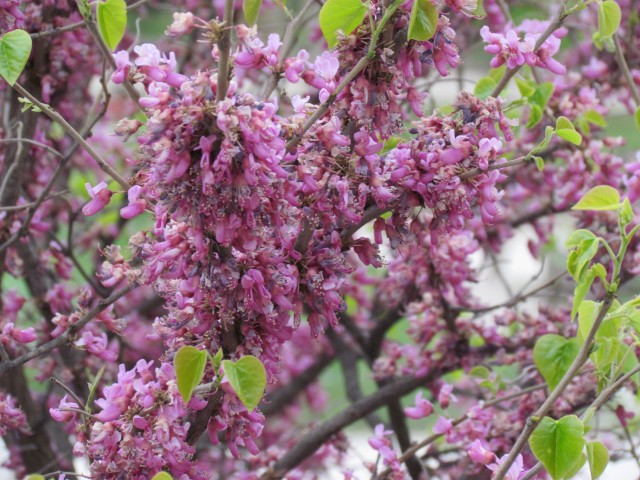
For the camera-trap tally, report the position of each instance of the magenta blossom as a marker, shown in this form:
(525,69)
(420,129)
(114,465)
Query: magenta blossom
(100,195)
(422,409)
(136,204)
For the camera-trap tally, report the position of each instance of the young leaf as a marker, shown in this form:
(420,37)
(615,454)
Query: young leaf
(539,161)
(112,21)
(189,364)
(582,288)
(579,236)
(15,48)
(602,197)
(594,117)
(586,316)
(571,136)
(34,476)
(251,10)
(484,87)
(248,378)
(345,15)
(637,116)
(598,456)
(558,444)
(526,87)
(423,21)
(609,16)
(553,355)
(162,476)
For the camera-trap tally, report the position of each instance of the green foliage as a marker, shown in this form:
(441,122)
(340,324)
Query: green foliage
(345,15)
(112,21)
(15,48)
(484,87)
(251,10)
(553,355)
(566,130)
(162,476)
(609,16)
(558,445)
(248,379)
(637,117)
(34,476)
(598,456)
(189,364)
(423,21)
(600,198)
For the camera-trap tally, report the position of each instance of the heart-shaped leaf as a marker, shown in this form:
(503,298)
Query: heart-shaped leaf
(112,21)
(609,16)
(553,355)
(423,21)
(602,197)
(558,444)
(248,378)
(15,48)
(345,15)
(189,364)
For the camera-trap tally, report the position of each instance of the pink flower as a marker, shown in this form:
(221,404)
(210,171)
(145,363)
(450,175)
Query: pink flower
(100,195)
(136,205)
(479,454)
(443,425)
(60,414)
(445,396)
(182,24)
(422,409)
(515,472)
(123,65)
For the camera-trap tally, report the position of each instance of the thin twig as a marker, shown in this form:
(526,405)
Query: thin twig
(62,339)
(556,22)
(73,133)
(224,47)
(622,63)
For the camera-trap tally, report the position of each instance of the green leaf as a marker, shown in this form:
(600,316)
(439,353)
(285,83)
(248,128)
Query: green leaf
(580,257)
(564,123)
(162,476)
(189,364)
(248,378)
(553,355)
(112,21)
(535,115)
(586,316)
(577,237)
(609,16)
(637,116)
(34,476)
(480,371)
(594,117)
(626,212)
(582,288)
(217,360)
(539,161)
(571,136)
(526,87)
(251,10)
(577,466)
(484,87)
(558,444)
(598,456)
(601,198)
(345,15)
(15,48)
(423,21)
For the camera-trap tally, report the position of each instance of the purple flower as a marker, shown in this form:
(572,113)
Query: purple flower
(443,425)
(123,65)
(100,195)
(422,409)
(136,205)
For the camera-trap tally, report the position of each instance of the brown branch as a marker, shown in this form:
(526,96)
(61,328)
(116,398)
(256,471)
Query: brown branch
(320,434)
(6,366)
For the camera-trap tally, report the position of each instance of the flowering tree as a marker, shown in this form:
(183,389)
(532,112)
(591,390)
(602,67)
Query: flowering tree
(192,231)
